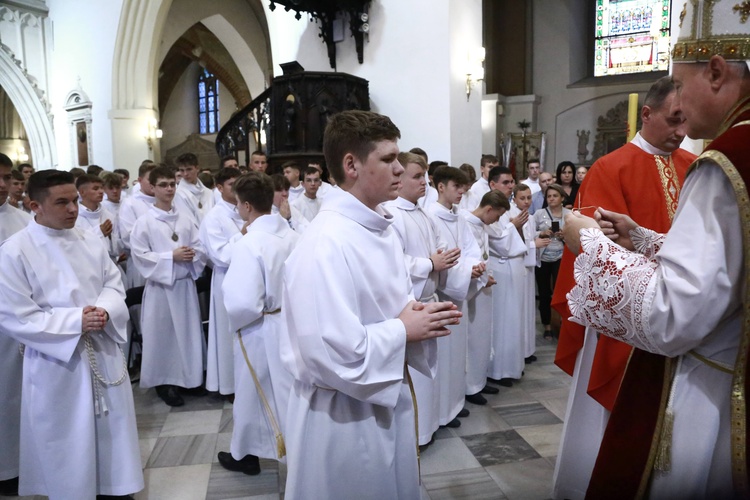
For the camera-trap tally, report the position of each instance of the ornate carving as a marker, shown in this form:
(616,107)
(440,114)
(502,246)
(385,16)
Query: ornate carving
(611,130)
(32,81)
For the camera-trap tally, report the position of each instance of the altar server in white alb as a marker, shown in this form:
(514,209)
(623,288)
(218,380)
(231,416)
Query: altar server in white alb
(307,205)
(62,297)
(192,196)
(352,327)
(252,294)
(169,254)
(462,282)
(93,217)
(133,207)
(507,252)
(221,228)
(12,220)
(478,312)
(522,197)
(427,256)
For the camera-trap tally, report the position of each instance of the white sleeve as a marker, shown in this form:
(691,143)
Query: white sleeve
(668,304)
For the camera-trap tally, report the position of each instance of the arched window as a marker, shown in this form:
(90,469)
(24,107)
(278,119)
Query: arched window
(631,36)
(208,103)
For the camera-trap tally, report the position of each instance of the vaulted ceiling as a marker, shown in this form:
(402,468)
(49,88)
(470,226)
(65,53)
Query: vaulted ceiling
(199,44)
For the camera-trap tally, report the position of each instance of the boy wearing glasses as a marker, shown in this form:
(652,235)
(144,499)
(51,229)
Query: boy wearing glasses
(168,252)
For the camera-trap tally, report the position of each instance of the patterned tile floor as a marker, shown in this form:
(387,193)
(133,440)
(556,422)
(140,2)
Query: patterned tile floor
(506,449)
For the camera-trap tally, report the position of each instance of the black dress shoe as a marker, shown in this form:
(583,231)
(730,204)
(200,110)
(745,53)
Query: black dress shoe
(196,391)
(9,487)
(488,389)
(506,382)
(170,395)
(454,423)
(463,413)
(530,359)
(114,497)
(249,464)
(476,399)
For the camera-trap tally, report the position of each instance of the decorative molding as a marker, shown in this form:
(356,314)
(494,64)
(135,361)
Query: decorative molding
(78,107)
(33,82)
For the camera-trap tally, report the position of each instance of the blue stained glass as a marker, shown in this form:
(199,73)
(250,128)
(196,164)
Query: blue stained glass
(202,124)
(202,105)
(201,89)
(210,103)
(211,123)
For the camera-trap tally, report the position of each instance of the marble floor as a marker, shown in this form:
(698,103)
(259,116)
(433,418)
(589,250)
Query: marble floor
(505,449)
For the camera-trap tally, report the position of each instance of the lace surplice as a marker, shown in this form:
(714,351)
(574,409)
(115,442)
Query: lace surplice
(615,287)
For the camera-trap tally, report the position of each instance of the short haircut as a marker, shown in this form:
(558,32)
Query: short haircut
(40,183)
(145,168)
(24,165)
(496,172)
(257,152)
(310,171)
(533,160)
(292,164)
(405,158)
(187,160)
(207,179)
(16,175)
(84,179)
(556,187)
(160,172)
(659,92)
(225,174)
(123,172)
(225,159)
(354,132)
(495,199)
(520,187)
(488,159)
(111,180)
(469,171)
(421,152)
(434,165)
(5,161)
(280,183)
(255,188)
(445,174)
(94,169)
(77,172)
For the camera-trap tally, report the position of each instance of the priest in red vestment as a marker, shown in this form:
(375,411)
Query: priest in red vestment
(641,179)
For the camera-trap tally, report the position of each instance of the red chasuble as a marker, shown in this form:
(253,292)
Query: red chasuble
(645,187)
(625,462)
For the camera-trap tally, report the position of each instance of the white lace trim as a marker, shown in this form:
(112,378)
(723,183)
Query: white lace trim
(614,290)
(646,241)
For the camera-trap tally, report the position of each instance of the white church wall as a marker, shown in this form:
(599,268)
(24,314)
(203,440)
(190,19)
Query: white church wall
(414,75)
(84,41)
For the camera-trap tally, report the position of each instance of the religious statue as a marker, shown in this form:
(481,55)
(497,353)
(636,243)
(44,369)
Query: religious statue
(583,145)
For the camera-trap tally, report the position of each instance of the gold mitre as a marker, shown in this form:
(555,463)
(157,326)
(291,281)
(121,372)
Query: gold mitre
(713,27)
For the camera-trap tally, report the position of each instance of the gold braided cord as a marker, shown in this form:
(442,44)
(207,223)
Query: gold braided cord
(738,397)
(416,417)
(280,445)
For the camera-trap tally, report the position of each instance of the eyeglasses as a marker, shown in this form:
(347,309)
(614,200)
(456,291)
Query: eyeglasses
(166,184)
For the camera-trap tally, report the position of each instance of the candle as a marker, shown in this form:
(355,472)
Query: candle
(632,115)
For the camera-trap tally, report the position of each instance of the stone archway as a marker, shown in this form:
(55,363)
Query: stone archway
(32,108)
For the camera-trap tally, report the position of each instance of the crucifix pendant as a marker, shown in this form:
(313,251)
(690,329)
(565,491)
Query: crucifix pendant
(174,237)
(200,205)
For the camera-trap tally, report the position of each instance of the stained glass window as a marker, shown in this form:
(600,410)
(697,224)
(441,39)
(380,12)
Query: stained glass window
(631,36)
(208,103)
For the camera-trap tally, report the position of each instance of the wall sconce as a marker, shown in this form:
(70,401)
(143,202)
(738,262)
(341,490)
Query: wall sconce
(21,156)
(474,69)
(151,132)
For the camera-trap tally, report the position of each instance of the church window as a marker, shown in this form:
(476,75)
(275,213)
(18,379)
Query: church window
(631,36)
(208,103)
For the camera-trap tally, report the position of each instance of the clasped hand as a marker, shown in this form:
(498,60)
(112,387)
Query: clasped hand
(93,318)
(426,321)
(615,226)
